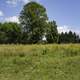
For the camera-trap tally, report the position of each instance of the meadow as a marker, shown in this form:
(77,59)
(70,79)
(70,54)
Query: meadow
(40,62)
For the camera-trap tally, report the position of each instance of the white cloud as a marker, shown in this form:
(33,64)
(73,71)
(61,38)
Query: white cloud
(25,1)
(63,29)
(15,2)
(12,2)
(1,13)
(67,29)
(12,19)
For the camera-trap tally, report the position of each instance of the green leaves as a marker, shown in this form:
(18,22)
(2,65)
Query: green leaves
(52,34)
(68,37)
(9,33)
(33,17)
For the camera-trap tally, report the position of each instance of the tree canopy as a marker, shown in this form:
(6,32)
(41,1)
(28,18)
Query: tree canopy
(52,33)
(33,19)
(9,32)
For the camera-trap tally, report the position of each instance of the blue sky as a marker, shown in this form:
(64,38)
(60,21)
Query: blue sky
(65,12)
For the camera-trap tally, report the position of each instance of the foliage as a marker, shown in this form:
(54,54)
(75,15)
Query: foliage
(69,37)
(52,33)
(9,33)
(33,20)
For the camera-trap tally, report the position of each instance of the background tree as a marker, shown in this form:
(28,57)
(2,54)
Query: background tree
(68,37)
(52,33)
(76,38)
(10,33)
(33,21)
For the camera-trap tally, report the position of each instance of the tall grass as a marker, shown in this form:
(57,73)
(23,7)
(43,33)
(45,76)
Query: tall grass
(40,62)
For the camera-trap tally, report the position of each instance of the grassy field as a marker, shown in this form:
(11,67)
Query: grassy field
(40,62)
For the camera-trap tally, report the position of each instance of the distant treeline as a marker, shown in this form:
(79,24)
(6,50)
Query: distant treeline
(13,33)
(34,27)
(69,37)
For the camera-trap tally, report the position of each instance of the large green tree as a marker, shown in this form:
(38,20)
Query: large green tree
(33,19)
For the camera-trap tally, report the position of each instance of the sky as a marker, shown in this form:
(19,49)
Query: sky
(66,13)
